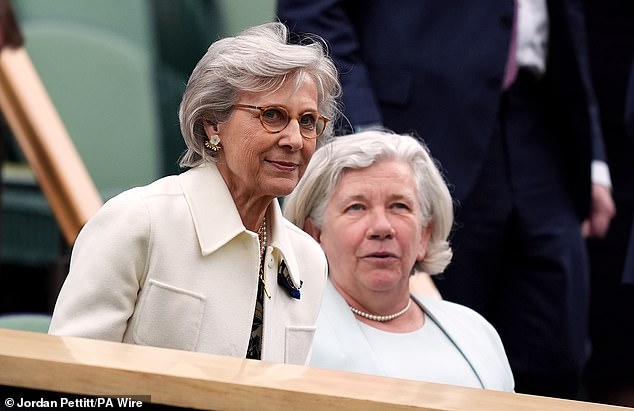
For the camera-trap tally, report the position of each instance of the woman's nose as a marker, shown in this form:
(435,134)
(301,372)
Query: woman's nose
(291,137)
(380,226)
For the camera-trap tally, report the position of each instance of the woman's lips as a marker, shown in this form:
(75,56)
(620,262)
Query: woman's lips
(380,257)
(284,165)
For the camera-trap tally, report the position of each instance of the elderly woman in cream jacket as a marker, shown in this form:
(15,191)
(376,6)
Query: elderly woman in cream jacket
(204,261)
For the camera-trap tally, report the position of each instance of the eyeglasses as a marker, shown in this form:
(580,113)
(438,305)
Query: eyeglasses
(275,119)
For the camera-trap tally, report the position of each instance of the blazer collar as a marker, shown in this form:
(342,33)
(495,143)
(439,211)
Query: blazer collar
(217,221)
(215,216)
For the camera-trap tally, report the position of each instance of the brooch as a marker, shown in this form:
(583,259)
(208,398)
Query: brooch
(284,279)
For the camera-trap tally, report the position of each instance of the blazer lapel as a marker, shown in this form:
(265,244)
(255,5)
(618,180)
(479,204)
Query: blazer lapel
(215,216)
(281,242)
(353,344)
(454,330)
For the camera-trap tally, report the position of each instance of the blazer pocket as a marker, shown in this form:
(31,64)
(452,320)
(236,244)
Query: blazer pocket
(298,342)
(169,317)
(392,86)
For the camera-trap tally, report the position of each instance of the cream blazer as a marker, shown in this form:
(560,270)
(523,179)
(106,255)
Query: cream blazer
(171,265)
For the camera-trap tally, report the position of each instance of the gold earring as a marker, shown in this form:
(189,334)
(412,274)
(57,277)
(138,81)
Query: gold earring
(213,143)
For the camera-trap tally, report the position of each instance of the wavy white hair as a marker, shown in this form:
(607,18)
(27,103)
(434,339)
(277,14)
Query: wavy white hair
(361,150)
(259,59)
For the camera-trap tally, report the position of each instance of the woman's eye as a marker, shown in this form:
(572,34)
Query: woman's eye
(307,120)
(401,206)
(272,115)
(355,207)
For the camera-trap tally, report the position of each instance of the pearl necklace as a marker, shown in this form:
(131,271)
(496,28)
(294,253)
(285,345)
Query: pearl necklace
(262,238)
(381,318)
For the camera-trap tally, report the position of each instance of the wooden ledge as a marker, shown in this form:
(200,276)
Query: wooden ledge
(203,381)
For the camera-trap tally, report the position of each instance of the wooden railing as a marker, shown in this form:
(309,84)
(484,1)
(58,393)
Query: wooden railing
(102,369)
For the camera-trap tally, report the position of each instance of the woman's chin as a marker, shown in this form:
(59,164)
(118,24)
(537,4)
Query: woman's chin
(283,188)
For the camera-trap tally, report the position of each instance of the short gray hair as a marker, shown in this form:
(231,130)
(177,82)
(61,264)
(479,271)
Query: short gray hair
(360,150)
(259,59)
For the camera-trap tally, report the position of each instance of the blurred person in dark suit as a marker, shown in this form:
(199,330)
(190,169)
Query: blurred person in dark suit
(610,371)
(506,105)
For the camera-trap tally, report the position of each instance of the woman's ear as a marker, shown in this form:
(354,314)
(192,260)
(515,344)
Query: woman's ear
(424,242)
(211,129)
(311,228)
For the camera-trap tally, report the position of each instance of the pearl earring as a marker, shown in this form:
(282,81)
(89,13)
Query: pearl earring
(213,143)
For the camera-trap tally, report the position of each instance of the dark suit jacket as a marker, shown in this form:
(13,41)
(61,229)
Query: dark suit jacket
(436,68)
(610,27)
(628,270)
(629,104)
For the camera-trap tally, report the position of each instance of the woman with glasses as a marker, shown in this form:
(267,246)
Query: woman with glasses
(204,261)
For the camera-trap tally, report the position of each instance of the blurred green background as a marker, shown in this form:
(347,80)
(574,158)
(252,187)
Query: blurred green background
(115,71)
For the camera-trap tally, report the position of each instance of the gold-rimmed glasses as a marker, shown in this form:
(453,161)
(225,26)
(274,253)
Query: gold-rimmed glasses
(275,119)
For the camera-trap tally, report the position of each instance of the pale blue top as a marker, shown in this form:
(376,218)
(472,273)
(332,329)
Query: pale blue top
(426,354)
(455,346)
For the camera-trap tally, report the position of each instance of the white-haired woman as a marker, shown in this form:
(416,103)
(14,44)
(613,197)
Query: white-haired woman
(204,261)
(380,209)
